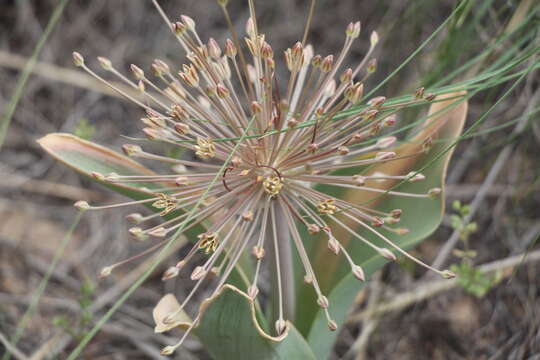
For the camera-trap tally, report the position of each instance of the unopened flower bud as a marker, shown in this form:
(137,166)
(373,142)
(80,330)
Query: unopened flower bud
(230,49)
(358,273)
(131,150)
(332,325)
(385,155)
(308,279)
(106,271)
(430,97)
(313,229)
(281,326)
(137,72)
(377,102)
(189,22)
(327,64)
(374,38)
(213,49)
(82,205)
(346,76)
(433,193)
(134,218)
(343,150)
(316,61)
(168,350)
(322,301)
(447,274)
(413,177)
(333,245)
(105,63)
(198,273)
(170,273)
(78,59)
(387,254)
(371,66)
(258,252)
(419,93)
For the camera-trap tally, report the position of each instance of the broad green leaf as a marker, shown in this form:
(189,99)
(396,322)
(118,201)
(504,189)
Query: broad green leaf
(420,216)
(86,157)
(229,327)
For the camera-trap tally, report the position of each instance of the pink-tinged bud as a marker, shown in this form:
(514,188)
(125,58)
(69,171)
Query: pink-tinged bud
(78,59)
(343,150)
(181,128)
(189,22)
(390,120)
(253,291)
(333,245)
(414,177)
(162,66)
(180,264)
(258,252)
(419,93)
(247,215)
(322,301)
(106,271)
(170,273)
(105,63)
(98,176)
(447,274)
(134,218)
(354,93)
(371,66)
(230,49)
(198,273)
(137,72)
(158,232)
(346,76)
(377,221)
(372,114)
(213,49)
(140,86)
(349,31)
(385,155)
(236,161)
(270,63)
(359,180)
(222,91)
(332,325)
(387,254)
(167,350)
(327,64)
(281,326)
(430,97)
(297,50)
(357,28)
(386,142)
(308,279)
(358,273)
(131,150)
(377,102)
(82,205)
(313,229)
(374,38)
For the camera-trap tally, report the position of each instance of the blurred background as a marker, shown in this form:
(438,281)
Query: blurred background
(497,171)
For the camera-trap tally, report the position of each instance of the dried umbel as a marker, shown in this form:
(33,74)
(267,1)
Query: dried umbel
(261,147)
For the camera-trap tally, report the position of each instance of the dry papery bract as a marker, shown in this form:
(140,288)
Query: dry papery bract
(260,150)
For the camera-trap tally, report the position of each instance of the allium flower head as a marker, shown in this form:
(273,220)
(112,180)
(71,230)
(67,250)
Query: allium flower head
(261,145)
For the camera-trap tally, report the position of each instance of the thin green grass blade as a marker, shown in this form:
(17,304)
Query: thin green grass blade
(23,78)
(27,316)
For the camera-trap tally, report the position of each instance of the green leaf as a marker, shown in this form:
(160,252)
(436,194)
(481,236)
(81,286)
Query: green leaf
(86,157)
(420,216)
(229,326)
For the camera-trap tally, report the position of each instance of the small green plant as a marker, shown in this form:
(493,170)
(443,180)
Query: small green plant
(472,280)
(85,130)
(79,328)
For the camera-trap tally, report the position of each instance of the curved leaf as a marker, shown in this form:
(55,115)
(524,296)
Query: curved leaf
(229,328)
(86,157)
(420,216)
